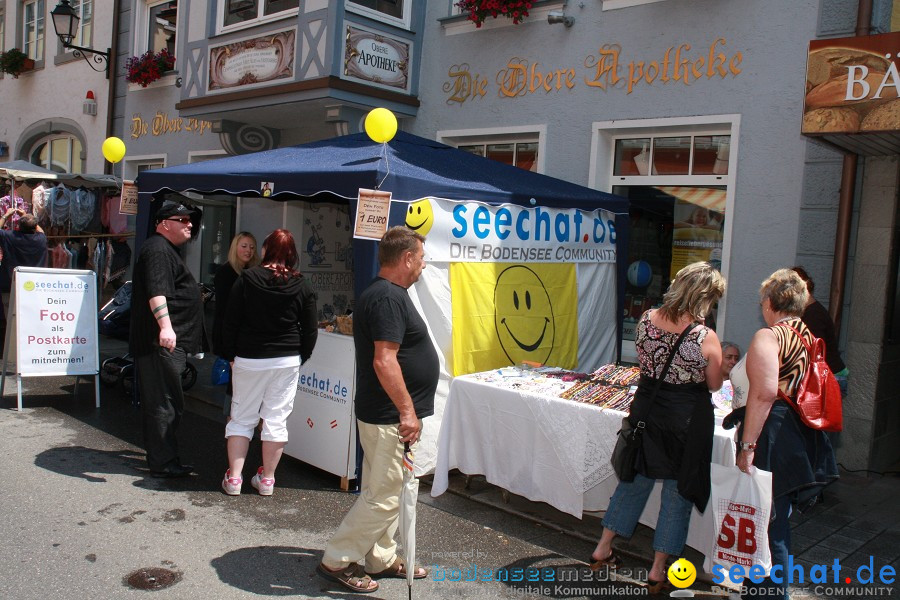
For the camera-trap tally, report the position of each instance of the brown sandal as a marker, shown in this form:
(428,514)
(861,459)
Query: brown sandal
(351,577)
(612,561)
(398,571)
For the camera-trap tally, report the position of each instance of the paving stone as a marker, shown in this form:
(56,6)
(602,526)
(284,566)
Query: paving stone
(801,543)
(857,534)
(820,555)
(884,547)
(870,524)
(840,542)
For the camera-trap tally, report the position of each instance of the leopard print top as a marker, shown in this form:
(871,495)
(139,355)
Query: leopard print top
(792,355)
(654,345)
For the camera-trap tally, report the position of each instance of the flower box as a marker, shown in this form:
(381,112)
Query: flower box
(148,67)
(15,62)
(480,10)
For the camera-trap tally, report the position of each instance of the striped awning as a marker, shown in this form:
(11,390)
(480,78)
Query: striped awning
(707,197)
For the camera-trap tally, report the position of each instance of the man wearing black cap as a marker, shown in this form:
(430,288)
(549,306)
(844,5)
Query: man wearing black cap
(166,326)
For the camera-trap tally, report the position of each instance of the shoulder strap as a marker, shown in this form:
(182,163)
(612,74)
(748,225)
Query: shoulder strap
(665,371)
(799,335)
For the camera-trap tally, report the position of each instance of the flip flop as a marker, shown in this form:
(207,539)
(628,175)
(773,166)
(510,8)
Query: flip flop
(398,571)
(613,561)
(351,577)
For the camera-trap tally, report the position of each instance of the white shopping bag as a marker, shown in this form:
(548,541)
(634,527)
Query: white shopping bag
(741,505)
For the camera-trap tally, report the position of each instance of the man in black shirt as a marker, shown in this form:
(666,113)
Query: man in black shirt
(166,326)
(396,377)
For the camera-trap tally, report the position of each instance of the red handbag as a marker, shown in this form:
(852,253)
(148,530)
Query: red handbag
(818,397)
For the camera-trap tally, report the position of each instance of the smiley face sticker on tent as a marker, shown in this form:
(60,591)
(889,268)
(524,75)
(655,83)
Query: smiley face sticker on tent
(523,315)
(420,217)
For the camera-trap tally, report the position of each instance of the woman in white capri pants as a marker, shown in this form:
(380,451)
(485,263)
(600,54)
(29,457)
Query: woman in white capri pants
(270,330)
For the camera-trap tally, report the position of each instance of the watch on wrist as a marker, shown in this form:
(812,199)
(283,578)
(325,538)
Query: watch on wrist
(747,445)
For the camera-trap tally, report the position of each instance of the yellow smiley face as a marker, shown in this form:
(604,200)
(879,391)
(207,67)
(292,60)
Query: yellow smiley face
(420,217)
(29,286)
(682,573)
(523,316)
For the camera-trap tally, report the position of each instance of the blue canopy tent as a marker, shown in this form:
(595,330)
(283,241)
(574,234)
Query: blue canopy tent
(410,167)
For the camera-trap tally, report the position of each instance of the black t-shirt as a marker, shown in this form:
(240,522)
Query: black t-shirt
(21,250)
(385,313)
(819,322)
(223,282)
(160,271)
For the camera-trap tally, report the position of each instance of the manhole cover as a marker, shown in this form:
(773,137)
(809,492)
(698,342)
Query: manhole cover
(152,578)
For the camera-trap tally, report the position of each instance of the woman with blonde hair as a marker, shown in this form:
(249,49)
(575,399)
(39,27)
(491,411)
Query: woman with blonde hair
(677,440)
(242,255)
(772,437)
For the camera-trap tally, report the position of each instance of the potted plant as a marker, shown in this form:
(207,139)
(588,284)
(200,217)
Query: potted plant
(148,67)
(14,61)
(479,10)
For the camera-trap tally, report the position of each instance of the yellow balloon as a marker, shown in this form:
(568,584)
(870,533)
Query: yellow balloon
(113,149)
(381,125)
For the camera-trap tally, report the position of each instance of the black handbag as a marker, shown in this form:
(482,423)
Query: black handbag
(628,442)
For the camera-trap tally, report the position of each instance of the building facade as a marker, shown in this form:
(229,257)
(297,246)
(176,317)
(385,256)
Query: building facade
(692,109)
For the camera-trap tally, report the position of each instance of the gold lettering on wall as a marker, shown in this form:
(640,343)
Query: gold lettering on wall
(161,124)
(463,85)
(605,70)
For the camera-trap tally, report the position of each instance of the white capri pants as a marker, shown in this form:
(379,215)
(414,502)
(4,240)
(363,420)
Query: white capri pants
(263,389)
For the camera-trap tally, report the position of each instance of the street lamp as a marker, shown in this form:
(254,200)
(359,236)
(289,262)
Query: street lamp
(65,22)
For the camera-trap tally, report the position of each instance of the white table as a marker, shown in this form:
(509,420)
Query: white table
(546,449)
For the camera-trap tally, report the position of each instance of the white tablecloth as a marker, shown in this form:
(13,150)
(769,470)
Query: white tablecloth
(546,449)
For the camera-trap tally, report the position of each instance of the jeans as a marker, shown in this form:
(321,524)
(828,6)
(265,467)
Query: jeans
(162,404)
(780,547)
(628,503)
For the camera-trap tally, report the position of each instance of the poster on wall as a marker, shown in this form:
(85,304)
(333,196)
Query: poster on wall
(697,235)
(326,256)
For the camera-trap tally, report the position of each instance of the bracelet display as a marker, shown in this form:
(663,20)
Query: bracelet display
(746,445)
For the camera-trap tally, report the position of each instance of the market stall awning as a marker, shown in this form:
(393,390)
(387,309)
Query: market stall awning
(21,170)
(707,197)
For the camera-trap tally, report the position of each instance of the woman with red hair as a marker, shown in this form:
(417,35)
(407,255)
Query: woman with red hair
(270,330)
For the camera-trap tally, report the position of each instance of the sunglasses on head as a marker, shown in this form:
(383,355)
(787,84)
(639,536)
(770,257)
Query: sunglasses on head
(182,220)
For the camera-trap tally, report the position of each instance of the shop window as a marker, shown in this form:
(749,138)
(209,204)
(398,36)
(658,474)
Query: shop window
(60,154)
(520,154)
(239,12)
(668,155)
(85,11)
(395,12)
(33,29)
(147,166)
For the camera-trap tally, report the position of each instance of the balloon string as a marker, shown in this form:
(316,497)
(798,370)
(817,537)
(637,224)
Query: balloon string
(387,164)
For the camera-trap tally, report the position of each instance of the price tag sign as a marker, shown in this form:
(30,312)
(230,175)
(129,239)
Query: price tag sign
(372,209)
(128,204)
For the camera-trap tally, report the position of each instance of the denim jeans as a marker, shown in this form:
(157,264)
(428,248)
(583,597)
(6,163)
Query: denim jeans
(628,503)
(780,547)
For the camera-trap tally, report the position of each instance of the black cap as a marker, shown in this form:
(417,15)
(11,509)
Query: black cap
(171,209)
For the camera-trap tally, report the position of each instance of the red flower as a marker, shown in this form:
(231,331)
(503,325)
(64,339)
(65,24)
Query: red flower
(479,10)
(148,67)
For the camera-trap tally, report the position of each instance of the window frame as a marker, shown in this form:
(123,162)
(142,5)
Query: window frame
(2,30)
(499,135)
(259,20)
(72,156)
(404,22)
(604,135)
(141,42)
(40,16)
(79,38)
